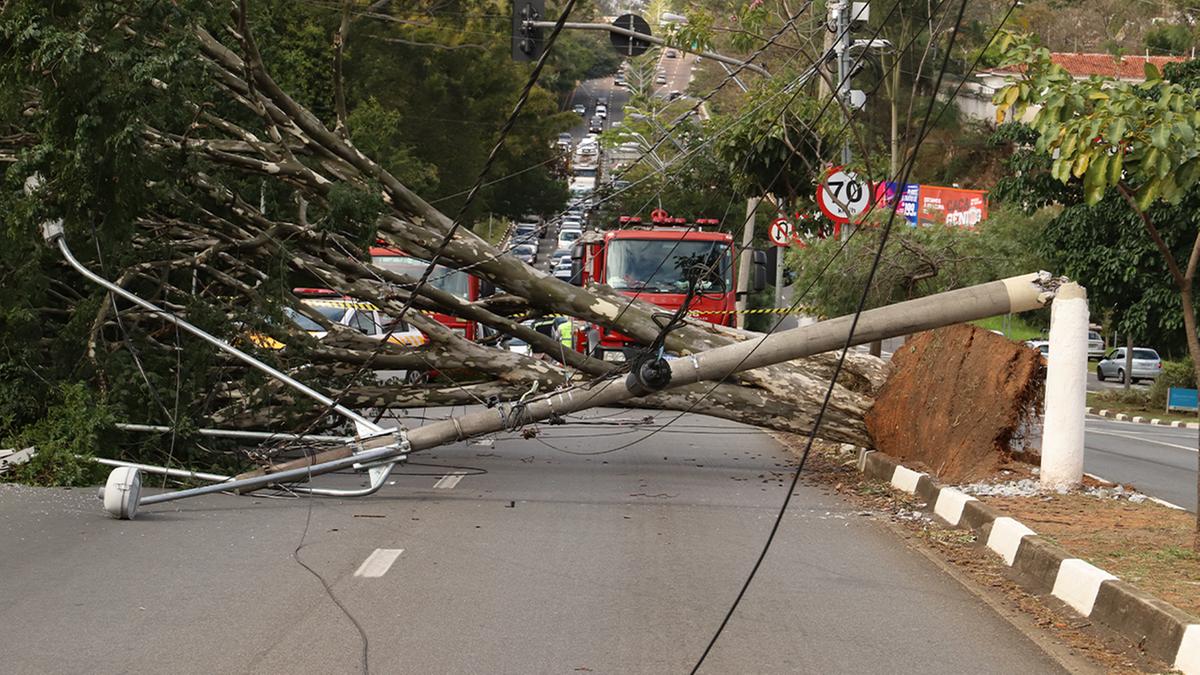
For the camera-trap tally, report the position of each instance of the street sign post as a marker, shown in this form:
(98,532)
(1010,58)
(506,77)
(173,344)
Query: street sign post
(843,196)
(781,231)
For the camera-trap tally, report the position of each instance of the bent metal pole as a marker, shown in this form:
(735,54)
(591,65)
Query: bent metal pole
(52,231)
(1015,294)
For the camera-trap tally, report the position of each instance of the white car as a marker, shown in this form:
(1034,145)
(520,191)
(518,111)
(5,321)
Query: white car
(566,237)
(601,110)
(1147,365)
(360,316)
(517,346)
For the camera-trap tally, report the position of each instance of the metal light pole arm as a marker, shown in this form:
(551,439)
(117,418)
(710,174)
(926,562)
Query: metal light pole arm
(653,40)
(1015,294)
(53,233)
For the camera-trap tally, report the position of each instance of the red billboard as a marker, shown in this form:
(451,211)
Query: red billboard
(951,206)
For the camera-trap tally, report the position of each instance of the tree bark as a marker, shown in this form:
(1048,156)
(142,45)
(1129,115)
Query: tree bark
(1185,281)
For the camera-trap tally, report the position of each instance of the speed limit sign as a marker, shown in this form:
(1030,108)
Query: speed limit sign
(843,196)
(780,232)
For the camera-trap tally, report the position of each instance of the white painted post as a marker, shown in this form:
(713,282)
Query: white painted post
(1066,389)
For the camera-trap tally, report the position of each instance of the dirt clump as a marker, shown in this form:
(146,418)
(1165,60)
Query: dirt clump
(954,401)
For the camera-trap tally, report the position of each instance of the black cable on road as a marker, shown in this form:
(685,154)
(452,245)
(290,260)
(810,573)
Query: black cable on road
(862,301)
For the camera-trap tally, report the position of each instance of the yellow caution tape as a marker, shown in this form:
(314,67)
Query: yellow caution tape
(768,310)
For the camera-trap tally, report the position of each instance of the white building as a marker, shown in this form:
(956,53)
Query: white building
(975,98)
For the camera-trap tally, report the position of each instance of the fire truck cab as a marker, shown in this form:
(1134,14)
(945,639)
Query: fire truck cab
(656,264)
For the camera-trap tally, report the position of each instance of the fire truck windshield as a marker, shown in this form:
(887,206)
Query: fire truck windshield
(665,266)
(449,280)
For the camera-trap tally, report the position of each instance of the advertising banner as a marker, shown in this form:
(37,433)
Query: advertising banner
(951,206)
(933,205)
(886,196)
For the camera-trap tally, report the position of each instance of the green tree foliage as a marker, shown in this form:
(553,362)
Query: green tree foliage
(1170,40)
(83,84)
(917,261)
(65,438)
(1139,143)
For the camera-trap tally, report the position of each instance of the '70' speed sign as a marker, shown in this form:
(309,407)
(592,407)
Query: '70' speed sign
(843,196)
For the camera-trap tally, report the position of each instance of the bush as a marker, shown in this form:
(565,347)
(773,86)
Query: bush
(1174,374)
(1131,397)
(65,438)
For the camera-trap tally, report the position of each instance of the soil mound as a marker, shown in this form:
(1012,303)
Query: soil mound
(954,400)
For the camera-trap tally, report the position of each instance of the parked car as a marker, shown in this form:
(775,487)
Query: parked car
(1146,365)
(674,95)
(671,54)
(580,109)
(1042,346)
(526,253)
(661,79)
(1095,345)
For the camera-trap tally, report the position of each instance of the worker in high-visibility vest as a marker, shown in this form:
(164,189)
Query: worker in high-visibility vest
(564,333)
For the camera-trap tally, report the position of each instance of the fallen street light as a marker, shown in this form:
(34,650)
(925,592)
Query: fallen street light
(376,450)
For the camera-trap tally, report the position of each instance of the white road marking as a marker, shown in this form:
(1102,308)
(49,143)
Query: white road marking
(378,563)
(448,481)
(1142,439)
(1163,502)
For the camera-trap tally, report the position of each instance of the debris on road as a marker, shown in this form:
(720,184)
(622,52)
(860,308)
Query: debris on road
(10,457)
(956,400)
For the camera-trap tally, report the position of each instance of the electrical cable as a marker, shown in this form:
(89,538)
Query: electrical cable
(841,358)
(796,302)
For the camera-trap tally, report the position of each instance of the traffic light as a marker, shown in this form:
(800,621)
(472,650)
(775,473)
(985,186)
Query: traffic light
(527,41)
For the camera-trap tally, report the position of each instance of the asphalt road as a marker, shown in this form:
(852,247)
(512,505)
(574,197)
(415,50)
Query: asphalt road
(1159,461)
(591,92)
(535,561)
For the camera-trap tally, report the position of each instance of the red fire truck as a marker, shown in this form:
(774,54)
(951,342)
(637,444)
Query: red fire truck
(464,285)
(654,263)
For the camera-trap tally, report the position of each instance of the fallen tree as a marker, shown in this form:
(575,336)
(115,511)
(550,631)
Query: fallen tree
(169,175)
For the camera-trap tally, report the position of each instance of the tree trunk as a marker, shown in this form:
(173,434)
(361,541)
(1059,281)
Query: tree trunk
(1193,342)
(1127,381)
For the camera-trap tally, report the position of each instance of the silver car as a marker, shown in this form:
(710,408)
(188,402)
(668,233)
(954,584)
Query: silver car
(1095,345)
(1146,365)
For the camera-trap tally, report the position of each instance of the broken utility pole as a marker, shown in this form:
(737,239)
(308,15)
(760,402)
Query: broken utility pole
(377,450)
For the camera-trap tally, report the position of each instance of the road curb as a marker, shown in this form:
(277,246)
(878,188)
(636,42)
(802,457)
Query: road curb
(1137,419)
(1159,628)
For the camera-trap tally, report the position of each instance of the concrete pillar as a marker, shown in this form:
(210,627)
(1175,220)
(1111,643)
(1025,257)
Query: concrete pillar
(743,281)
(1066,389)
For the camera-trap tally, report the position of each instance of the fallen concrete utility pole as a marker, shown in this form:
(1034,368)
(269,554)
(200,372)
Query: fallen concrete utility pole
(376,450)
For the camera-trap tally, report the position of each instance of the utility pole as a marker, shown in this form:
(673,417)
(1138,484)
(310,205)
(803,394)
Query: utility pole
(742,299)
(842,12)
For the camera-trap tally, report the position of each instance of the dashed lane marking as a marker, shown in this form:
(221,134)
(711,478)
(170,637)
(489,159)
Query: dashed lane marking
(448,481)
(378,563)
